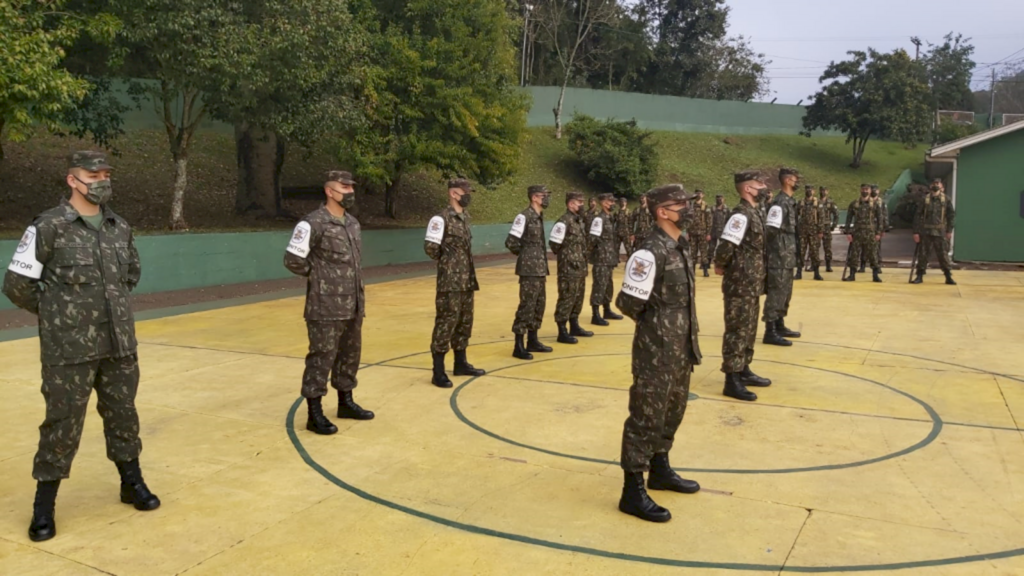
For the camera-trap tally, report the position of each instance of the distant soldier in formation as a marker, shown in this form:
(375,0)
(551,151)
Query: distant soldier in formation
(863,231)
(604,257)
(739,258)
(622,220)
(526,241)
(594,209)
(326,248)
(569,243)
(642,223)
(781,250)
(700,232)
(829,218)
(719,214)
(75,268)
(810,231)
(933,227)
(658,294)
(884,228)
(449,241)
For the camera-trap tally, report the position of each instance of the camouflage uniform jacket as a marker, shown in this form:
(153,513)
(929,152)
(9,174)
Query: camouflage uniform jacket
(810,216)
(719,214)
(885,212)
(526,240)
(658,294)
(701,222)
(78,281)
(934,216)
(643,223)
(864,217)
(569,243)
(604,250)
(780,226)
(741,252)
(622,218)
(828,215)
(328,251)
(450,242)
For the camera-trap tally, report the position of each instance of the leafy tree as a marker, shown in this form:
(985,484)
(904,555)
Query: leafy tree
(734,72)
(948,67)
(617,156)
(872,95)
(683,31)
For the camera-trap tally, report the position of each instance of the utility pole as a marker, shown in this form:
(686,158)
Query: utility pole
(526,26)
(916,42)
(992,101)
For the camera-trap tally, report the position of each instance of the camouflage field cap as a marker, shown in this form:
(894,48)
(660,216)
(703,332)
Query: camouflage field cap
(698,191)
(341,177)
(536,189)
(573,195)
(89,160)
(874,186)
(668,194)
(783,172)
(823,188)
(865,185)
(809,188)
(461,184)
(747,176)
(606,196)
(717,196)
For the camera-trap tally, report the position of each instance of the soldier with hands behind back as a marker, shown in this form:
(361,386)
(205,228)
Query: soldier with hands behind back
(526,241)
(604,258)
(782,258)
(569,243)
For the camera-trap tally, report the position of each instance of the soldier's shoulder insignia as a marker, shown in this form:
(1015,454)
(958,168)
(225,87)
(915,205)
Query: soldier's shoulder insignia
(640,272)
(299,244)
(735,229)
(24,261)
(597,226)
(558,232)
(774,217)
(518,226)
(435,230)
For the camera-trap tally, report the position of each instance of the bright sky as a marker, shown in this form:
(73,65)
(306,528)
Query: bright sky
(801,37)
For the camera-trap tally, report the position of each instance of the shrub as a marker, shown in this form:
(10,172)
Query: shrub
(616,156)
(952,131)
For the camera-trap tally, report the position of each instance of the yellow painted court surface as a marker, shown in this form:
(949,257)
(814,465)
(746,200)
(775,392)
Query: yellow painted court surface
(889,441)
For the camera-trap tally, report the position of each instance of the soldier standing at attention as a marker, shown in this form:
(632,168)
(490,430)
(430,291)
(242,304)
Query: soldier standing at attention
(642,223)
(700,233)
(740,260)
(885,222)
(593,208)
(863,231)
(622,219)
(526,241)
(829,218)
(449,241)
(569,243)
(658,294)
(604,257)
(811,231)
(780,226)
(933,227)
(719,214)
(326,248)
(74,269)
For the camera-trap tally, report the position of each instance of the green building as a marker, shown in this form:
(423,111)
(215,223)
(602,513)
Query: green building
(984,176)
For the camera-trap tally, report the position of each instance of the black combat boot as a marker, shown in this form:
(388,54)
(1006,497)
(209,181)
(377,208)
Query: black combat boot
(133,487)
(316,421)
(780,327)
(597,320)
(862,268)
(609,315)
(576,330)
(852,277)
(828,265)
(772,336)
(563,334)
(43,526)
(347,407)
(635,500)
(799,273)
(520,349)
(919,278)
(949,278)
(734,388)
(533,344)
(463,367)
(663,477)
(748,378)
(705,267)
(874,274)
(817,274)
(440,378)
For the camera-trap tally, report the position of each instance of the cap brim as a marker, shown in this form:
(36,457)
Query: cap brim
(347,181)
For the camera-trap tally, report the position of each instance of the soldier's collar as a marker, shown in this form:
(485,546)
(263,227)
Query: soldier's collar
(70,214)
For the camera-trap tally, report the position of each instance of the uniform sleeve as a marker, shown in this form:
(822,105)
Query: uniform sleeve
(22,283)
(514,242)
(726,250)
(642,269)
(296,256)
(435,236)
(134,264)
(950,216)
(557,237)
(849,218)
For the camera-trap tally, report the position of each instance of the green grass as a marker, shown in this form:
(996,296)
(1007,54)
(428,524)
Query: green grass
(31,177)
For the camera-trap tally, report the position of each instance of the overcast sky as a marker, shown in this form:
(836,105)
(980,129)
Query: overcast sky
(801,37)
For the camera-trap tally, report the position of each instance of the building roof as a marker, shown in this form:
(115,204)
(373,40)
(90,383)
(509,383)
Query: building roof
(952,149)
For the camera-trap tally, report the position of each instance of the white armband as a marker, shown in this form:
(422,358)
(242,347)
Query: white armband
(639,278)
(735,229)
(558,233)
(299,244)
(435,230)
(24,261)
(774,217)
(518,226)
(597,226)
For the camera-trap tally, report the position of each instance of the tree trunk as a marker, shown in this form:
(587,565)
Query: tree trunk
(260,156)
(180,182)
(858,151)
(2,122)
(558,111)
(391,198)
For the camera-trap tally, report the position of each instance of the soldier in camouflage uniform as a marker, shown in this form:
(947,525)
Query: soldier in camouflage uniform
(326,248)
(569,243)
(449,241)
(526,241)
(593,209)
(933,227)
(75,268)
(604,257)
(622,219)
(863,231)
(781,250)
(658,294)
(700,233)
(809,213)
(740,259)
(885,222)
(642,223)
(829,218)
(719,214)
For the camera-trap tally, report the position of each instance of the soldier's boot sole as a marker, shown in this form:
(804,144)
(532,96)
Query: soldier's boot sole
(598,321)
(776,341)
(140,497)
(576,330)
(468,371)
(745,395)
(442,382)
(651,514)
(322,431)
(567,339)
(609,315)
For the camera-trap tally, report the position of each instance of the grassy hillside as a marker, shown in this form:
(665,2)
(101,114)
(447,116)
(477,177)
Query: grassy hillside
(31,176)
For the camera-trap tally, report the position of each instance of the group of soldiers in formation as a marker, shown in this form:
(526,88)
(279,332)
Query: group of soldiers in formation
(77,264)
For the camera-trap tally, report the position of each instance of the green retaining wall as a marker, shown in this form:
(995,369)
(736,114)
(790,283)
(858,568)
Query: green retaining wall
(989,190)
(182,261)
(896,191)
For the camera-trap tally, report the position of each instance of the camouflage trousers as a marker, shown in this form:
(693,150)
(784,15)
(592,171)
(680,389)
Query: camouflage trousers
(779,283)
(712,246)
(740,332)
(601,288)
(826,244)
(571,291)
(532,300)
(657,402)
(864,247)
(699,250)
(66,390)
(335,348)
(811,246)
(940,247)
(453,321)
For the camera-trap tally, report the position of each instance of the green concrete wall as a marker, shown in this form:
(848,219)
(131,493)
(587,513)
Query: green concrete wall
(990,180)
(181,261)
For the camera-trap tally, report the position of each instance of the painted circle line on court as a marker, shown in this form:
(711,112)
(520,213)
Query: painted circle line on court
(928,439)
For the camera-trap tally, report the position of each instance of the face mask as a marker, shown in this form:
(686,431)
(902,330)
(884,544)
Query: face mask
(762,194)
(864,193)
(545,201)
(464,200)
(935,188)
(348,201)
(97,192)
(874,194)
(682,216)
